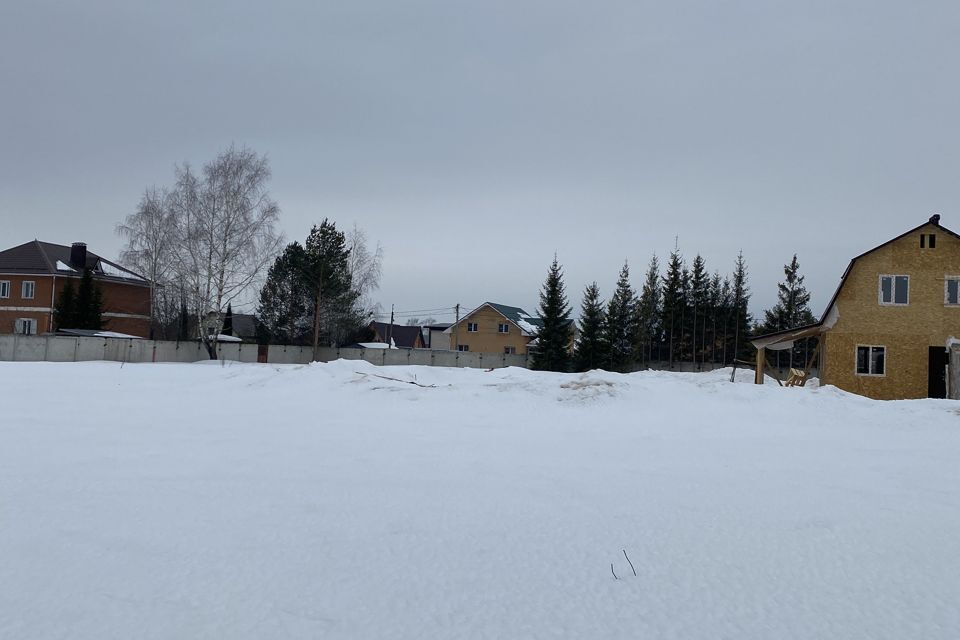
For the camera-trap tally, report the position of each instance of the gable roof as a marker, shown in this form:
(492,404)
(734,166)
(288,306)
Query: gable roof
(933,221)
(37,257)
(528,325)
(818,327)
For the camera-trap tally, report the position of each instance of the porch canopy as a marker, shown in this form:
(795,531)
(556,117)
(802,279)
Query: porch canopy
(780,340)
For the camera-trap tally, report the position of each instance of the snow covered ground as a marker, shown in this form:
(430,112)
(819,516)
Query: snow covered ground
(324,501)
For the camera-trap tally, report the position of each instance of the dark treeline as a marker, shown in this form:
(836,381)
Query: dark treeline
(683,313)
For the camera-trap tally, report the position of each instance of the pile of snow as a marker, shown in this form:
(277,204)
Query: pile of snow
(350,501)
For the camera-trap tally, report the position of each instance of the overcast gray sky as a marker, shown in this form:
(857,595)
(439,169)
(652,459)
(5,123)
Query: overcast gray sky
(475,139)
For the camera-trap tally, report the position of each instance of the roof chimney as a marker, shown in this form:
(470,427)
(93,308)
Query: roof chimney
(78,255)
(935,219)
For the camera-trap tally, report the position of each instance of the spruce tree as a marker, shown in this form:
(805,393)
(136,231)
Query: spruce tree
(714,315)
(553,338)
(621,326)
(699,296)
(741,318)
(674,300)
(792,309)
(89,303)
(65,310)
(590,352)
(228,321)
(183,322)
(648,313)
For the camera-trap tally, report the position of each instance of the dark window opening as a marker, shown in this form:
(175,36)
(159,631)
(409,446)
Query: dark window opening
(871,361)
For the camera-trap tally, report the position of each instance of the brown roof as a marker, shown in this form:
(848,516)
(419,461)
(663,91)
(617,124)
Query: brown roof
(36,257)
(403,336)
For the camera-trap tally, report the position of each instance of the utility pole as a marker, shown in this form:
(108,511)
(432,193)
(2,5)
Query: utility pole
(390,330)
(456,329)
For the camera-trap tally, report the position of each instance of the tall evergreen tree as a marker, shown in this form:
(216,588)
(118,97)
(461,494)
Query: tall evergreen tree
(590,352)
(89,303)
(183,322)
(284,309)
(740,313)
(674,301)
(699,296)
(65,309)
(791,310)
(648,313)
(553,338)
(228,321)
(621,326)
(714,317)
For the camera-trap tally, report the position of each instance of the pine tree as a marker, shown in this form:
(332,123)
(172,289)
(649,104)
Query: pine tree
(621,326)
(284,309)
(228,321)
(553,338)
(674,301)
(791,310)
(648,313)
(590,352)
(326,274)
(741,318)
(65,310)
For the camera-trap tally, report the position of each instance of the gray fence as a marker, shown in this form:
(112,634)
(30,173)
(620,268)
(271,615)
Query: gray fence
(19,348)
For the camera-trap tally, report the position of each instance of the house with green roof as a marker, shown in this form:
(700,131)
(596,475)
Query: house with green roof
(494,328)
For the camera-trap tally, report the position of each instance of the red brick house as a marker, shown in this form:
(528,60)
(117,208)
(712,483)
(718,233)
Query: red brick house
(32,275)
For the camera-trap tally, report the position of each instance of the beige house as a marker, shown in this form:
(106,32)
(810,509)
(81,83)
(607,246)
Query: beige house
(886,331)
(494,328)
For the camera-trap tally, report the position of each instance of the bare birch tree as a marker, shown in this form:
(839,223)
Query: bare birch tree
(365,268)
(225,233)
(149,235)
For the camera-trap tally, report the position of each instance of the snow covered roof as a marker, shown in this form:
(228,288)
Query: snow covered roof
(95,333)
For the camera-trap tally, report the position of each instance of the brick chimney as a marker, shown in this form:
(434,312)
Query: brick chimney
(78,255)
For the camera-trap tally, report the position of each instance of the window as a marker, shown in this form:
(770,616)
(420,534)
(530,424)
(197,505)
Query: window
(4,288)
(951,290)
(894,289)
(25,326)
(871,361)
(27,289)
(463,347)
(472,328)
(503,327)
(510,350)
(928,241)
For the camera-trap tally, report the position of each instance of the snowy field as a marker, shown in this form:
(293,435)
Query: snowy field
(323,501)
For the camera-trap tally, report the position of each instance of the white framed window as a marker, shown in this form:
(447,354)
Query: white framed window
(27,289)
(503,327)
(928,241)
(472,328)
(951,291)
(463,347)
(25,326)
(510,350)
(871,360)
(4,288)
(894,290)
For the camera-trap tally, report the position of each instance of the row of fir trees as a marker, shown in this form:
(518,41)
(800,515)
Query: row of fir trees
(685,314)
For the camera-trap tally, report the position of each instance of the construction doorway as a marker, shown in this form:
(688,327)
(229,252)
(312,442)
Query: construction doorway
(937,373)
